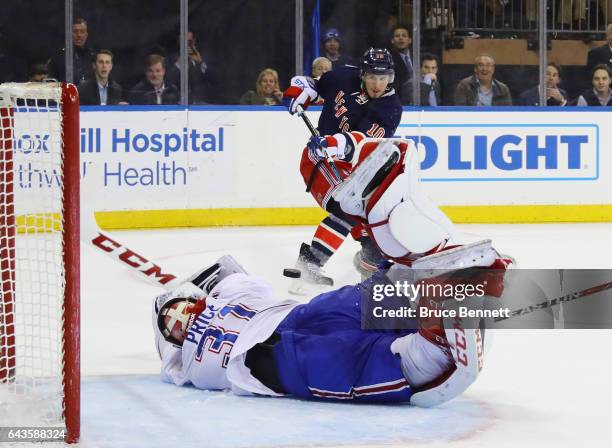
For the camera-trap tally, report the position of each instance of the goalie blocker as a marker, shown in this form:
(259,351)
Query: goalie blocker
(225,329)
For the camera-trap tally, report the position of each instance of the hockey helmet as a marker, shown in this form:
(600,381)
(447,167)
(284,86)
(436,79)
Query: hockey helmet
(377,61)
(176,316)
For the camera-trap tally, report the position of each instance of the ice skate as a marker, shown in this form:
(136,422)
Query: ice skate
(311,272)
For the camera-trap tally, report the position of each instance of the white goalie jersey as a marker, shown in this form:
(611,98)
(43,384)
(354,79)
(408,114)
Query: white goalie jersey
(241,311)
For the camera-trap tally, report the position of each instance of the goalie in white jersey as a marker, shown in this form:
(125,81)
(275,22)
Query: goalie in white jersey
(225,329)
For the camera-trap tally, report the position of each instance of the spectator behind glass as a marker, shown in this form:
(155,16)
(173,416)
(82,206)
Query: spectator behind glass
(319,66)
(430,86)
(38,73)
(153,89)
(554,95)
(600,94)
(482,89)
(601,55)
(402,62)
(267,91)
(197,72)
(331,48)
(83,57)
(101,90)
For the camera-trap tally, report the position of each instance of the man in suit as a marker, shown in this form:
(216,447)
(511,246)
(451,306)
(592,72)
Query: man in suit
(555,96)
(101,90)
(601,55)
(200,81)
(402,61)
(83,55)
(154,89)
(430,85)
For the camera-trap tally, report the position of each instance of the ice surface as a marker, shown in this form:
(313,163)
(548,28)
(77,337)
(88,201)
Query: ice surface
(160,415)
(538,388)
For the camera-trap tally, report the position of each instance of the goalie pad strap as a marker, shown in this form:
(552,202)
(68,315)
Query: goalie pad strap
(379,223)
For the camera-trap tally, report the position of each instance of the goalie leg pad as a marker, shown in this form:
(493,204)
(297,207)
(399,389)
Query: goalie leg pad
(411,222)
(352,193)
(418,230)
(418,223)
(478,254)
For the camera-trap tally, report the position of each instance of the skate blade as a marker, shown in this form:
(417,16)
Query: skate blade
(300,287)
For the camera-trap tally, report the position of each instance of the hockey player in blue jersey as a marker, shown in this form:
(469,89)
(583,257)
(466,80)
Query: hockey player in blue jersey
(223,329)
(355,98)
(359,102)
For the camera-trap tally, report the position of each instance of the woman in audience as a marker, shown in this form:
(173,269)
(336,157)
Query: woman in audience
(267,91)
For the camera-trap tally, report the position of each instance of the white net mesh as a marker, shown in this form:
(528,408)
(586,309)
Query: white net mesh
(32,269)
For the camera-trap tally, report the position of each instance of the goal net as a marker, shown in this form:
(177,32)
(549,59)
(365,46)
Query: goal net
(39,256)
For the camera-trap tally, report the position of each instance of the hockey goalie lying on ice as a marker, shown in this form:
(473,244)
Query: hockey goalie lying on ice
(226,329)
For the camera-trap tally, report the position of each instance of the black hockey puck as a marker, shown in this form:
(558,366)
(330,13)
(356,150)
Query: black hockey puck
(292,273)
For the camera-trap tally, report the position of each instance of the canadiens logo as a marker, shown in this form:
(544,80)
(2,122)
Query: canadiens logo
(362,98)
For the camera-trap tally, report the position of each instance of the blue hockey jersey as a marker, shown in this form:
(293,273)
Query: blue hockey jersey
(348,108)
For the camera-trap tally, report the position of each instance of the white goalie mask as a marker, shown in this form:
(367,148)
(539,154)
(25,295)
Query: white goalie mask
(176,316)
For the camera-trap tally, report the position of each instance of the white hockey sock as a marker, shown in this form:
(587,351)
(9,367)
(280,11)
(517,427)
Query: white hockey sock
(422,361)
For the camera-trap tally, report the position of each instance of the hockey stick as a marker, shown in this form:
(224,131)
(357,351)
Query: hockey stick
(301,113)
(102,241)
(556,301)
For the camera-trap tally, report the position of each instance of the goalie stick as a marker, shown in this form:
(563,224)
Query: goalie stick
(556,301)
(112,247)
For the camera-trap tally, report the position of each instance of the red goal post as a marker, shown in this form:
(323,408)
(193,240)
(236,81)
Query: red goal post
(39,256)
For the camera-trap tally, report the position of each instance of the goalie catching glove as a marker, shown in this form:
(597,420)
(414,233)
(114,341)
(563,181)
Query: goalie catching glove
(301,92)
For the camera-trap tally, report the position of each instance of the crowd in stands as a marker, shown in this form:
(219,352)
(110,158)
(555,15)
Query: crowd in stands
(161,75)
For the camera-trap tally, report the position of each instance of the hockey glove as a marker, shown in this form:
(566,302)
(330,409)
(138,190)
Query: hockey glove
(301,92)
(207,279)
(333,145)
(315,147)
